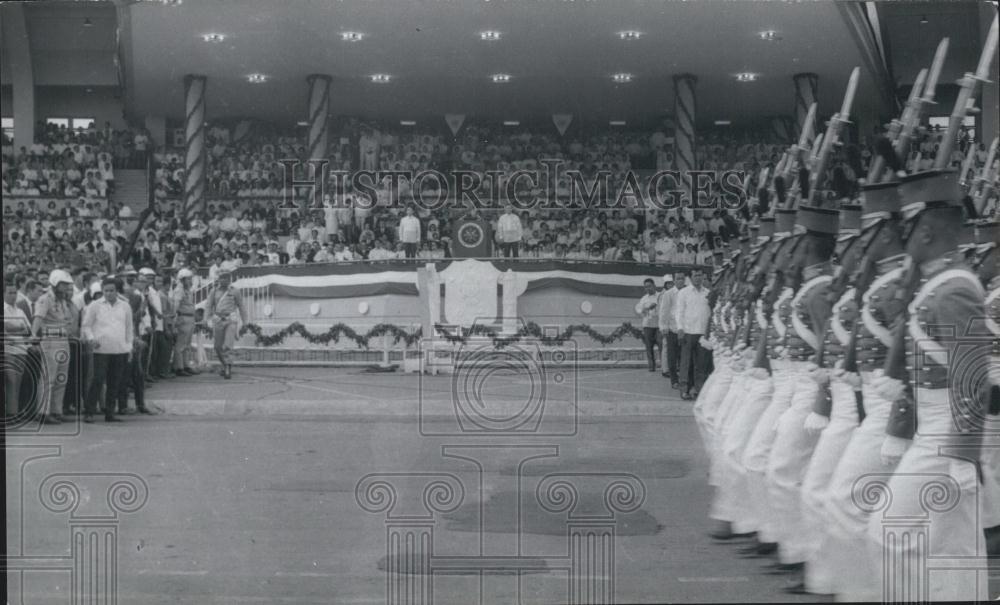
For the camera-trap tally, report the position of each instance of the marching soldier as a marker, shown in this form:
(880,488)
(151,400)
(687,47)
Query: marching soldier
(793,444)
(927,430)
(844,545)
(225,300)
(987,265)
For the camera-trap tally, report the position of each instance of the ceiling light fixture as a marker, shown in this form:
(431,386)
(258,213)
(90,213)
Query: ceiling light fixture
(171,2)
(407,123)
(511,123)
(256,78)
(722,122)
(352,36)
(489,35)
(622,78)
(87,22)
(381,78)
(501,78)
(746,77)
(302,123)
(617,122)
(216,38)
(923,20)
(769,35)
(630,34)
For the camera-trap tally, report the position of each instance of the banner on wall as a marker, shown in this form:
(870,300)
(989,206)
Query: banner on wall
(562,121)
(454,121)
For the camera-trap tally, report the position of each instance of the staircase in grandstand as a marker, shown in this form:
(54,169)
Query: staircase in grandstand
(132,189)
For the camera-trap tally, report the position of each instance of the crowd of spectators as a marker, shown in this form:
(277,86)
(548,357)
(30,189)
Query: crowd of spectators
(242,224)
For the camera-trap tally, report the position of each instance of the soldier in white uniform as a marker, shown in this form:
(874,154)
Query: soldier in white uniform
(939,431)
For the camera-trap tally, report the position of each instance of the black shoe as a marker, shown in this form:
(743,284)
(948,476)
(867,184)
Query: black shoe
(112,419)
(163,376)
(686,396)
(783,568)
(674,385)
(69,410)
(147,411)
(992,542)
(228,372)
(88,418)
(758,550)
(58,418)
(48,419)
(127,412)
(190,372)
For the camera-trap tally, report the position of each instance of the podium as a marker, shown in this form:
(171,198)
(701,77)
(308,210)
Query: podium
(471,238)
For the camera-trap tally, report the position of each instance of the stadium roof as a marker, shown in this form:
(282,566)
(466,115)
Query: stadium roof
(561,55)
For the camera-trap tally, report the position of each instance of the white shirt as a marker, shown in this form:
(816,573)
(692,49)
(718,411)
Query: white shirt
(109,326)
(647,308)
(409,230)
(509,228)
(692,309)
(153,298)
(667,318)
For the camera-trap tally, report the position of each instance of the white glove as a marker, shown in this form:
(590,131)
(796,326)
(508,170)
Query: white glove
(853,379)
(706,343)
(815,423)
(889,389)
(758,373)
(820,375)
(893,449)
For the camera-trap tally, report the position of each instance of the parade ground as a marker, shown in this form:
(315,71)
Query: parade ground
(285,485)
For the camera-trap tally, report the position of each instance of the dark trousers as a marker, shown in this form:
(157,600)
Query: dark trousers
(692,363)
(509,249)
(30,387)
(135,376)
(110,371)
(410,249)
(672,353)
(651,337)
(164,350)
(76,378)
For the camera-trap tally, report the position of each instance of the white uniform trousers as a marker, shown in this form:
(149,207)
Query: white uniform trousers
(758,449)
(707,405)
(816,484)
(786,467)
(723,508)
(991,472)
(754,399)
(846,540)
(927,533)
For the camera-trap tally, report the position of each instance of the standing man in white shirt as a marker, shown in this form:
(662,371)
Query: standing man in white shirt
(409,233)
(646,307)
(17,332)
(670,349)
(692,320)
(108,327)
(509,232)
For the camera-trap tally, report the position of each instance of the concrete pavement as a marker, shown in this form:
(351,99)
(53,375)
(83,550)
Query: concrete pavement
(260,502)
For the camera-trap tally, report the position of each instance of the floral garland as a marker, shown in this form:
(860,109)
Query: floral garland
(334,334)
(533,330)
(340,330)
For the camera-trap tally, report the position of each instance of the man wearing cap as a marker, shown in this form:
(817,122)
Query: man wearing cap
(851,562)
(793,444)
(132,287)
(224,300)
(166,343)
(183,301)
(939,433)
(154,343)
(56,320)
(670,349)
(646,307)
